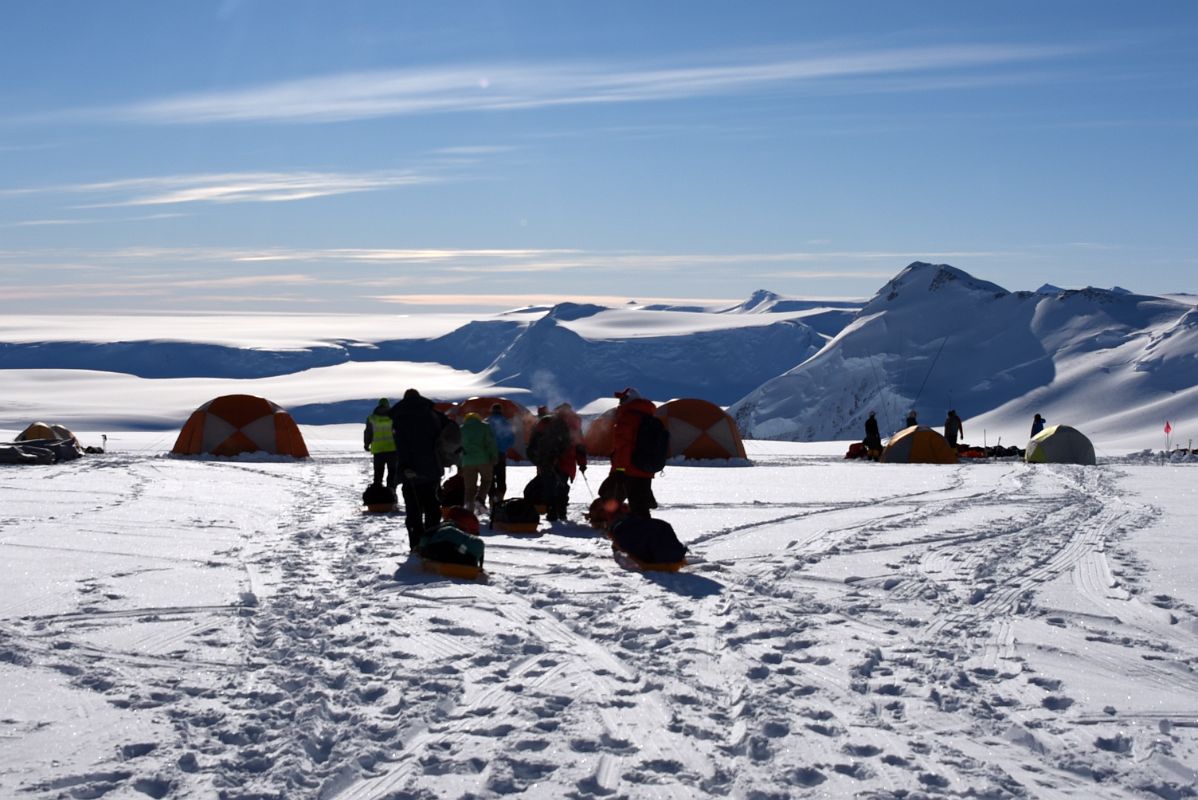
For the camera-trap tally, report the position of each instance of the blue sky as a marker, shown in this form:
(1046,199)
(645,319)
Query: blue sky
(394,156)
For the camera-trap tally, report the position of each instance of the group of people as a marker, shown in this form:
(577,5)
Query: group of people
(413,444)
(954,429)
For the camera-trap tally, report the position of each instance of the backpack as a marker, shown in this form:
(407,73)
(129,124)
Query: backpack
(652,445)
(649,540)
(450,544)
(515,509)
(549,442)
(378,495)
(453,491)
(449,444)
(534,492)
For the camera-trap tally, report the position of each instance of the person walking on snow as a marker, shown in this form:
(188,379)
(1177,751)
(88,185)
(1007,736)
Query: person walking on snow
(911,421)
(573,460)
(379,441)
(418,426)
(479,453)
(548,445)
(505,438)
(953,429)
(634,484)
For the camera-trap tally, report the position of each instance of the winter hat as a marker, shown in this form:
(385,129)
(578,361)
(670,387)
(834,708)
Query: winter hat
(410,393)
(542,410)
(628,394)
(384,403)
(497,409)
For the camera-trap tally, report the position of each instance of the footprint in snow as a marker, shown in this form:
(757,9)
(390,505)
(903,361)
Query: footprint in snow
(1056,702)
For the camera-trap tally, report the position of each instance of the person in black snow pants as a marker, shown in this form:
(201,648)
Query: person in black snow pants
(1038,424)
(873,437)
(418,425)
(953,429)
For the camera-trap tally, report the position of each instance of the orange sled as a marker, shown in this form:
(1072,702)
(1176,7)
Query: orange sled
(461,571)
(649,566)
(515,527)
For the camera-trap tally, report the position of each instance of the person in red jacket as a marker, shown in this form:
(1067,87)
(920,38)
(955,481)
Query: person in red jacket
(629,482)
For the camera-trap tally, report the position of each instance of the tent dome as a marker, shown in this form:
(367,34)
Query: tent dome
(240,423)
(700,429)
(918,444)
(1060,444)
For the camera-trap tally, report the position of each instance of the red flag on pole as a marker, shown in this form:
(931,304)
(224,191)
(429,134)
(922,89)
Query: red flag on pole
(1168,427)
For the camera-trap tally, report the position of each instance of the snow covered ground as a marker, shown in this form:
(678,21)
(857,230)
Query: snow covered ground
(238,629)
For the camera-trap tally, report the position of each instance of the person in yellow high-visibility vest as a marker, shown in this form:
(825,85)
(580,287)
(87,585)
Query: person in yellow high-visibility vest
(379,439)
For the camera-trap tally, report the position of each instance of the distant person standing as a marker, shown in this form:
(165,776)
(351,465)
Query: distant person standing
(379,440)
(953,429)
(911,420)
(418,426)
(478,460)
(505,438)
(873,437)
(1038,424)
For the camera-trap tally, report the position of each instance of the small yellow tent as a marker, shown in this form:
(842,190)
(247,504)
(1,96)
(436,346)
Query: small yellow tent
(918,444)
(1060,444)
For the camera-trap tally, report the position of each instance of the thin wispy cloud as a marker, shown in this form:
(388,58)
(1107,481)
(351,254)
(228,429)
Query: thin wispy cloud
(502,87)
(229,187)
(37,223)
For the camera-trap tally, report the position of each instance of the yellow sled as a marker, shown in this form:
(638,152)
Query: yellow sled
(515,527)
(464,572)
(649,566)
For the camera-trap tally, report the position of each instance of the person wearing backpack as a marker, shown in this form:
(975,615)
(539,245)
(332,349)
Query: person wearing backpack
(379,440)
(628,478)
(478,459)
(548,446)
(505,438)
(573,459)
(418,427)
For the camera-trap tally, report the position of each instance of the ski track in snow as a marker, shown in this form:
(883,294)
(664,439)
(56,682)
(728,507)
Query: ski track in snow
(931,672)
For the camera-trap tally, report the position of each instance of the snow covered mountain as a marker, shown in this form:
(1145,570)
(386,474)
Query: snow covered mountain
(332,369)
(936,338)
(1110,362)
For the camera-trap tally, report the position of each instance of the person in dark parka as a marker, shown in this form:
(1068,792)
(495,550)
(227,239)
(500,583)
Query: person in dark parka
(418,426)
(1038,424)
(873,437)
(953,429)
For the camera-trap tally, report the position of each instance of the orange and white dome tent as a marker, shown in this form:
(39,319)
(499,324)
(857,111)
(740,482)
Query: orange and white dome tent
(240,423)
(700,429)
(597,438)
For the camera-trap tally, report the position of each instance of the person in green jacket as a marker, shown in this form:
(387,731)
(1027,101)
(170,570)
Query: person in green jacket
(379,440)
(479,454)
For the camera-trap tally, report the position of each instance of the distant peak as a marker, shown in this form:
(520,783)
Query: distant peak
(572,311)
(760,300)
(1049,289)
(922,276)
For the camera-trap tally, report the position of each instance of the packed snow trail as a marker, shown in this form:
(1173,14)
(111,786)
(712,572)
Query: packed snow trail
(844,629)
